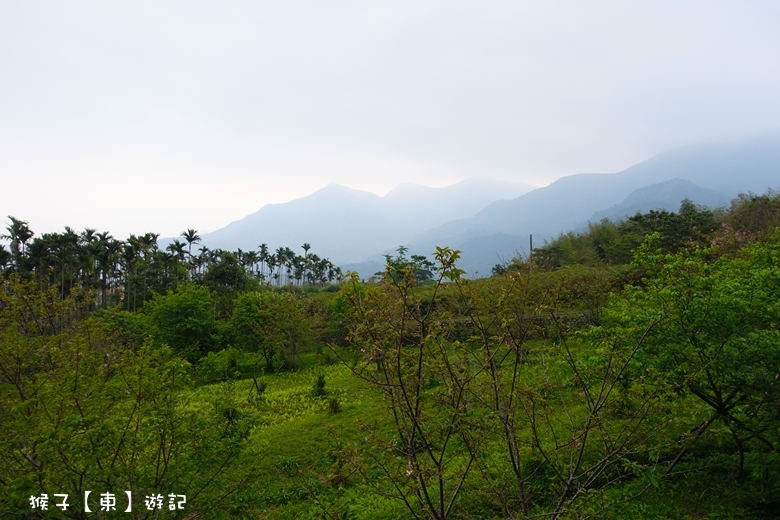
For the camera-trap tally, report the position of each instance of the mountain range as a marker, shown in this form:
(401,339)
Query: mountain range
(490,221)
(349,225)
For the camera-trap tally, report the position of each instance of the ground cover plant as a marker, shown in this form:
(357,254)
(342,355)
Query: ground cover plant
(630,371)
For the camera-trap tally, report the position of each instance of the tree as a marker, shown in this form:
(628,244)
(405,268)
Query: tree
(191,237)
(80,411)
(613,243)
(5,257)
(271,323)
(263,257)
(18,233)
(306,246)
(421,267)
(184,320)
(750,218)
(250,260)
(227,276)
(717,336)
(462,379)
(406,351)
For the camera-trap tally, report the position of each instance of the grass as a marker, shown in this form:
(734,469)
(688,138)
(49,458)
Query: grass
(296,444)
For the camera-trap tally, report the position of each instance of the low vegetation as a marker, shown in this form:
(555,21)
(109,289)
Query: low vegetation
(630,371)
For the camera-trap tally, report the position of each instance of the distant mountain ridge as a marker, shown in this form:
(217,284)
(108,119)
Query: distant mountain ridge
(663,196)
(347,225)
(752,165)
(491,221)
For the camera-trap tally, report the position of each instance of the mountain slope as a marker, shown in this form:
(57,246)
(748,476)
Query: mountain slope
(348,225)
(491,220)
(751,165)
(664,195)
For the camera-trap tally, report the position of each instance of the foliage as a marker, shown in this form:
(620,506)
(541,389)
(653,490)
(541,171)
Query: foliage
(184,320)
(405,352)
(226,277)
(272,323)
(128,272)
(318,388)
(751,218)
(454,398)
(82,412)
(612,243)
(422,269)
(717,337)
(218,366)
(572,384)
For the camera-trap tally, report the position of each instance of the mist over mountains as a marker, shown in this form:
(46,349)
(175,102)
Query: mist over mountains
(490,221)
(349,225)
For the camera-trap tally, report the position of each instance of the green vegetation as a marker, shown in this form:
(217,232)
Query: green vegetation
(630,371)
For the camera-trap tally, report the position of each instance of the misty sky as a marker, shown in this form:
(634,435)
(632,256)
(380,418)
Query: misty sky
(158,116)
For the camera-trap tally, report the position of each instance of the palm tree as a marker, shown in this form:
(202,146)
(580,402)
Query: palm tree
(204,258)
(18,233)
(271,264)
(306,246)
(148,244)
(263,258)
(191,237)
(176,248)
(281,256)
(250,259)
(69,251)
(128,259)
(39,256)
(299,265)
(104,250)
(88,235)
(149,241)
(5,256)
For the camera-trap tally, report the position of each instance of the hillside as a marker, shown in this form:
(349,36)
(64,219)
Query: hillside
(348,225)
(491,220)
(664,195)
(705,174)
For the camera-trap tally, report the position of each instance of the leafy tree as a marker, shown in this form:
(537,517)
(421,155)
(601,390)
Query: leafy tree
(717,336)
(184,320)
(226,277)
(81,411)
(463,379)
(421,268)
(406,352)
(567,427)
(750,218)
(272,323)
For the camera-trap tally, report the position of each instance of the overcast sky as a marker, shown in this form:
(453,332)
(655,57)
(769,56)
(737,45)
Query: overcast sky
(158,116)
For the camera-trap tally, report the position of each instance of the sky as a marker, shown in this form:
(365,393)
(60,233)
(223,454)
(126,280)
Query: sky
(161,116)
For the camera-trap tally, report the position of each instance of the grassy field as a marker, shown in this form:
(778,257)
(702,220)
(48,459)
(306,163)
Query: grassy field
(300,446)
(297,443)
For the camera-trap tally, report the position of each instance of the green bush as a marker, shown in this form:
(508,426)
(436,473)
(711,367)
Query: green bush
(218,366)
(318,388)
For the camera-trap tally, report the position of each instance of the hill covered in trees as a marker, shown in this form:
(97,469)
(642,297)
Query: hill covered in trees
(624,371)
